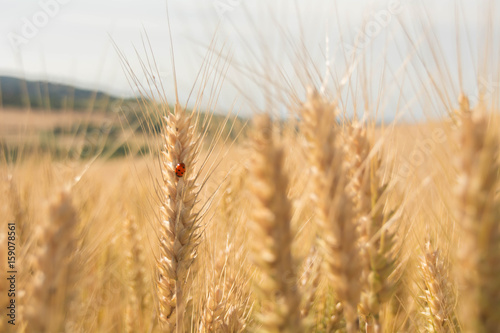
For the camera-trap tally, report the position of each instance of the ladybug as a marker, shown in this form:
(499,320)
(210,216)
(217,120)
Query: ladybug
(180,169)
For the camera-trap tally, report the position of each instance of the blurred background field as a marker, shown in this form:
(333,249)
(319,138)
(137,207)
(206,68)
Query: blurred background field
(63,122)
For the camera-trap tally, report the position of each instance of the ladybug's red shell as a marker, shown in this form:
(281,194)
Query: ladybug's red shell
(180,169)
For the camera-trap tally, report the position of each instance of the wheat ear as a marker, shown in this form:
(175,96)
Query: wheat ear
(335,209)
(221,297)
(309,281)
(179,231)
(49,292)
(214,312)
(237,297)
(439,296)
(378,242)
(280,308)
(135,263)
(479,215)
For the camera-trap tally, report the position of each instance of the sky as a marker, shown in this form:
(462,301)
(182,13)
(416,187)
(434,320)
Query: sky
(278,45)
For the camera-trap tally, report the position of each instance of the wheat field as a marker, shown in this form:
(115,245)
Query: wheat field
(324,221)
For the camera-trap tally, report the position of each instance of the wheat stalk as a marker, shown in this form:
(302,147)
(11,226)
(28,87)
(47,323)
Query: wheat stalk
(224,308)
(309,281)
(135,263)
(438,296)
(179,231)
(335,211)
(237,297)
(214,312)
(378,242)
(478,214)
(280,308)
(49,292)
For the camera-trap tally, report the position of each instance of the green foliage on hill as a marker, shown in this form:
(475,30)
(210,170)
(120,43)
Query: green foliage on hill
(19,93)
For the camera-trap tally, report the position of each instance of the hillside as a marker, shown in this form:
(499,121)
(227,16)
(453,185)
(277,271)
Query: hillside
(20,93)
